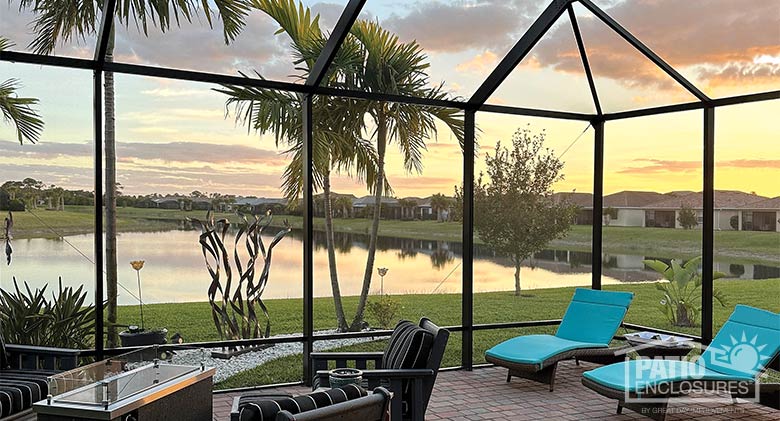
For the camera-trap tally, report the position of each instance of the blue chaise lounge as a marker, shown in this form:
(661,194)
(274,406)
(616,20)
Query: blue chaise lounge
(738,354)
(589,324)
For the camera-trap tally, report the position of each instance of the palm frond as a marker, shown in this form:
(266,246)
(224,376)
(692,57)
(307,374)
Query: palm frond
(19,111)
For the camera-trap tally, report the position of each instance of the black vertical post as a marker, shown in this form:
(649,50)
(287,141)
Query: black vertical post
(709,225)
(467,295)
(598,202)
(308,232)
(97,119)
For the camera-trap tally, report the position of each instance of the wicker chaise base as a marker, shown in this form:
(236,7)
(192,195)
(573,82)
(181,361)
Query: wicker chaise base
(545,372)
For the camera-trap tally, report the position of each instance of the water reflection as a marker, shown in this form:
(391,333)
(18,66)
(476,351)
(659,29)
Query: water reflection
(175,271)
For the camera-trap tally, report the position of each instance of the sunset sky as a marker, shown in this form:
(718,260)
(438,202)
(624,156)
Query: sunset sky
(175,137)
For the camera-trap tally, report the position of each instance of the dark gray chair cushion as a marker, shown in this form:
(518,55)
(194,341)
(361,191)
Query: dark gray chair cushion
(19,389)
(409,347)
(264,408)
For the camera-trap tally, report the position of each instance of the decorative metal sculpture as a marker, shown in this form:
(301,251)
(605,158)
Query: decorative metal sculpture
(233,304)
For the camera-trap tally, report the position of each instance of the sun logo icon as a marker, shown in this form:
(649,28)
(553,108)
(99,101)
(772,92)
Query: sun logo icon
(742,355)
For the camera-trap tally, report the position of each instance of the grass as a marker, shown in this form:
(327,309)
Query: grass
(736,246)
(193,320)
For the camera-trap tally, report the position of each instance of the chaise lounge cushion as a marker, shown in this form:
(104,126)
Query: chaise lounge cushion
(594,316)
(535,349)
(647,375)
(263,408)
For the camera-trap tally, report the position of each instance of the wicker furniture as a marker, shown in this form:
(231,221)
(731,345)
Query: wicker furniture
(591,321)
(752,334)
(410,380)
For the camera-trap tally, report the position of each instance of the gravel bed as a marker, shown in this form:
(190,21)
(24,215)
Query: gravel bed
(231,367)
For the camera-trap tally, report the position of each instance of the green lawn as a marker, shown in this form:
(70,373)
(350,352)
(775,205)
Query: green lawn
(193,320)
(736,246)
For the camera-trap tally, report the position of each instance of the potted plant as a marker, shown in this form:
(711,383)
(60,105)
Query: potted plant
(138,335)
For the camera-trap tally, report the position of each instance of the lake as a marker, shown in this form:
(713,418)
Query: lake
(175,269)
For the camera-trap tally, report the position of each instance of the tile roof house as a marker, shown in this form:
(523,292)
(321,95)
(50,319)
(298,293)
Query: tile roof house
(625,208)
(761,215)
(728,210)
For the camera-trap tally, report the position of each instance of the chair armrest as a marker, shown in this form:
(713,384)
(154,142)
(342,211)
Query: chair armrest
(411,373)
(320,360)
(30,357)
(394,380)
(374,378)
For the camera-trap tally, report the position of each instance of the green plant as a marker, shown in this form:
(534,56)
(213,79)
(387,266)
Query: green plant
(29,318)
(384,310)
(681,303)
(734,222)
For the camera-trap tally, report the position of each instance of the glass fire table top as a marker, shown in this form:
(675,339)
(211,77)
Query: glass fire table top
(122,386)
(103,389)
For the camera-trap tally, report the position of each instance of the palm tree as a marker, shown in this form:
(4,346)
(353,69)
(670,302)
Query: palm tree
(439,203)
(61,20)
(18,110)
(338,123)
(393,67)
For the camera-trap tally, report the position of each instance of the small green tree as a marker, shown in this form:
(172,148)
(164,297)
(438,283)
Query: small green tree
(516,212)
(687,217)
(609,213)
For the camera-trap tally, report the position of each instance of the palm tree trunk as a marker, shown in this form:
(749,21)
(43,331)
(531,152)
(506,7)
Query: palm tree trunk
(110,202)
(329,239)
(381,131)
(517,277)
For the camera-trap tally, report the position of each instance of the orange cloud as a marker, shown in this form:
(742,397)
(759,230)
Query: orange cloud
(480,64)
(655,166)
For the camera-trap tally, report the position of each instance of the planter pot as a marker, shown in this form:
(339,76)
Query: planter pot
(143,337)
(344,376)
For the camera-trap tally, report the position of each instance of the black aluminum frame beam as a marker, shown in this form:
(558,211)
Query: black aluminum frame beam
(337,37)
(533,112)
(645,50)
(467,291)
(521,49)
(584,56)
(308,235)
(708,227)
(598,203)
(689,106)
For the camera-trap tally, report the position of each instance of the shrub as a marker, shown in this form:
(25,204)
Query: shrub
(29,318)
(383,310)
(734,222)
(681,303)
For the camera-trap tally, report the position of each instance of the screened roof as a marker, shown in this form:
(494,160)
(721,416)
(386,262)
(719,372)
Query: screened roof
(724,48)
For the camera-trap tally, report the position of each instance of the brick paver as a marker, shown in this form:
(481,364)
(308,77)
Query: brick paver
(483,394)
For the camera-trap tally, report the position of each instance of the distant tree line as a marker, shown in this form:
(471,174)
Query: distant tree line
(33,194)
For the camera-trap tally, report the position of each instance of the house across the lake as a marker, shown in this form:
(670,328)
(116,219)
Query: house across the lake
(734,210)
